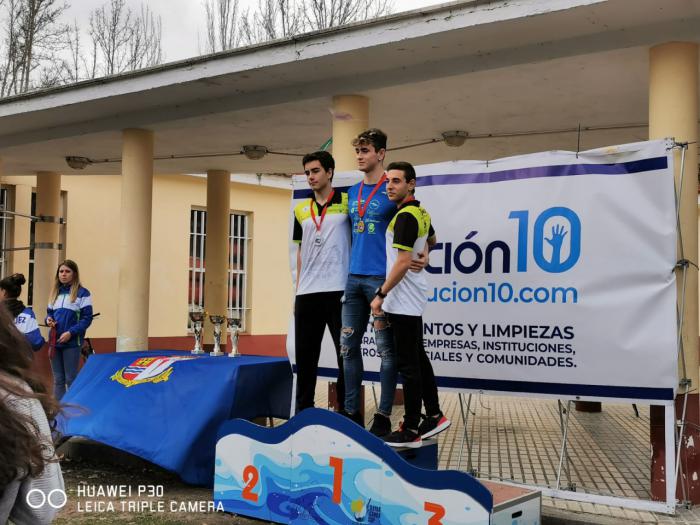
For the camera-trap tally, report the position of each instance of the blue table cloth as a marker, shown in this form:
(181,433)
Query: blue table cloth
(167,405)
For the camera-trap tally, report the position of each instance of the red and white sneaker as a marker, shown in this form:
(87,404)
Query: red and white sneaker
(433,425)
(404,437)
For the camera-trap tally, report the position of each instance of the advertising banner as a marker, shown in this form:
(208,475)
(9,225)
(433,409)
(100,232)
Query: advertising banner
(552,274)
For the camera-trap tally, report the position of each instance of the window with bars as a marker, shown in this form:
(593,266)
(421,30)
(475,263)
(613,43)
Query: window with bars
(238,240)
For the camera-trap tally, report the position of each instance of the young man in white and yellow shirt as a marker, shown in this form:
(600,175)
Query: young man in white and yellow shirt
(399,304)
(322,232)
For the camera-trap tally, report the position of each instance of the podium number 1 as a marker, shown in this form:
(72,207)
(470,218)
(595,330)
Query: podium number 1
(250,477)
(337,465)
(438,513)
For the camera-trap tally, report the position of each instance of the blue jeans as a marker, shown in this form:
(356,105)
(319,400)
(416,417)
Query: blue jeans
(64,365)
(359,292)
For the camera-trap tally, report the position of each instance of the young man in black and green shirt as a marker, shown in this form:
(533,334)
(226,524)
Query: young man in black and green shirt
(399,305)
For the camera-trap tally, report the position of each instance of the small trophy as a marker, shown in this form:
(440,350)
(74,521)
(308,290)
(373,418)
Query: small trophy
(233,326)
(197,318)
(217,321)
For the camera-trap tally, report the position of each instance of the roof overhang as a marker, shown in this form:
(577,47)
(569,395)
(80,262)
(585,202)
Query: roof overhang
(487,67)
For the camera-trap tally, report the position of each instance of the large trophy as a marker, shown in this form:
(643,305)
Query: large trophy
(197,318)
(233,324)
(217,321)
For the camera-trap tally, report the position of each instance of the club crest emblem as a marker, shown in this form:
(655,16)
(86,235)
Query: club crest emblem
(148,370)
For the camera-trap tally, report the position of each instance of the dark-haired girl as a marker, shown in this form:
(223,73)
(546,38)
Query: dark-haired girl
(25,320)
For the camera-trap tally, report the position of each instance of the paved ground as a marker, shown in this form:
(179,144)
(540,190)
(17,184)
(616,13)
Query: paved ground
(511,438)
(514,438)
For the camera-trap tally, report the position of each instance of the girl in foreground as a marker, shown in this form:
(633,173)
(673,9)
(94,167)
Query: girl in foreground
(31,484)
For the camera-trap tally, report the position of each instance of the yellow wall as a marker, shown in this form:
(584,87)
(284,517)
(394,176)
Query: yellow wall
(92,241)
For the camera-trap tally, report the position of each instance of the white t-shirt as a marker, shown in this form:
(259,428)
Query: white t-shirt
(407,231)
(325,252)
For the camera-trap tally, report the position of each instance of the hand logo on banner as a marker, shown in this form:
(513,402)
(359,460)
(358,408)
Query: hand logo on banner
(558,234)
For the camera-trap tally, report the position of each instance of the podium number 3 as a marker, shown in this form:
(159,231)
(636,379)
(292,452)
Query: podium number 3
(250,477)
(438,513)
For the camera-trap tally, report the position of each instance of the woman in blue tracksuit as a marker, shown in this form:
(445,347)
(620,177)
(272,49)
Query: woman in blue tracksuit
(25,320)
(69,313)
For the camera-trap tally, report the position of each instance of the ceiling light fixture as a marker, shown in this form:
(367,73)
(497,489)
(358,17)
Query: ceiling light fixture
(454,139)
(78,163)
(254,152)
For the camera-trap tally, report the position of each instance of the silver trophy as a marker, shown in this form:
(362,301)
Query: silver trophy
(197,318)
(217,321)
(233,324)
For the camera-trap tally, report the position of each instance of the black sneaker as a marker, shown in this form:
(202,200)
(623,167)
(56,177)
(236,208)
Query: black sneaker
(356,417)
(432,425)
(381,426)
(404,437)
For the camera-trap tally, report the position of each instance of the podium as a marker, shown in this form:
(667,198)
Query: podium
(321,468)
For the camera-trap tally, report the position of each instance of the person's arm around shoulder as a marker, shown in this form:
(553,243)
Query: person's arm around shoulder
(432,239)
(423,260)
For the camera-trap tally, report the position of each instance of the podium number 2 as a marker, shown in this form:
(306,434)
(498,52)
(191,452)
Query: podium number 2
(438,513)
(337,465)
(250,477)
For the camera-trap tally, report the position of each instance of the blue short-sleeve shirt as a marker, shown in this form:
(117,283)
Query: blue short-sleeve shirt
(368,253)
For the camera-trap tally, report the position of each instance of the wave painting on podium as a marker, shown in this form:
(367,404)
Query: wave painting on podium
(321,468)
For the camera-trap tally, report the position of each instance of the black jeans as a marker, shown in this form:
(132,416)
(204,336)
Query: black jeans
(415,368)
(312,313)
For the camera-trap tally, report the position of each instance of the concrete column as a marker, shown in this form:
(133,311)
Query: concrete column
(216,250)
(135,240)
(673,112)
(20,236)
(351,117)
(48,202)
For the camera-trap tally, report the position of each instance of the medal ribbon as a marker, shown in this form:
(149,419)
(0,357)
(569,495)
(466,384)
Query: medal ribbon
(360,209)
(323,212)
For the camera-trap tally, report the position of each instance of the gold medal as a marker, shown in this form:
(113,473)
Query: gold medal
(360,226)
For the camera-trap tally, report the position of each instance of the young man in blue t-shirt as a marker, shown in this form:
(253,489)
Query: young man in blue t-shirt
(370,212)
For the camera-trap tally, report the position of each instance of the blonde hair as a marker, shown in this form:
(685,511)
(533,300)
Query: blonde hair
(75,285)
